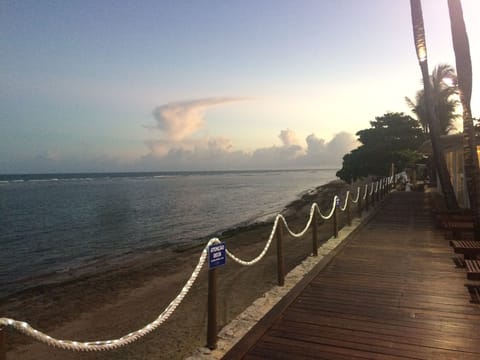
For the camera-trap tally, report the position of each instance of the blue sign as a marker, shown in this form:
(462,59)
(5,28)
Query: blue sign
(216,255)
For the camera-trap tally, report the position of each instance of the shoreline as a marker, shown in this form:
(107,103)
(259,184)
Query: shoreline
(84,308)
(78,269)
(92,268)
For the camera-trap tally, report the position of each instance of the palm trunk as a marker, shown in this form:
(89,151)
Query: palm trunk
(438,152)
(464,76)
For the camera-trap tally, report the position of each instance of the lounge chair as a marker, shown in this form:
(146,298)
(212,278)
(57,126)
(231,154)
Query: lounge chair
(469,248)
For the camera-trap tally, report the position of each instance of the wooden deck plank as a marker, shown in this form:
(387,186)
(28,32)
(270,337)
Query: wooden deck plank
(392,291)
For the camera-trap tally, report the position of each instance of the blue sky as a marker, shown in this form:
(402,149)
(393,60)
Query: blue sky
(180,85)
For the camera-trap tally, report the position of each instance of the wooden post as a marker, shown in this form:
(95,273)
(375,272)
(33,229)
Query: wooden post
(335,222)
(280,261)
(315,234)
(3,343)
(212,310)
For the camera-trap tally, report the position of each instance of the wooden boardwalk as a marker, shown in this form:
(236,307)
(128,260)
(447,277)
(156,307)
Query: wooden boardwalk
(391,292)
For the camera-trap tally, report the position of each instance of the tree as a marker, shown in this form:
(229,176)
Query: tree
(433,123)
(463,61)
(443,82)
(392,138)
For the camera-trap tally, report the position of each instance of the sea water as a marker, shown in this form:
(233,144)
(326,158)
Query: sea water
(54,224)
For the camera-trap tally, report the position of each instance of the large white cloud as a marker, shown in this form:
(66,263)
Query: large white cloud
(179,120)
(288,137)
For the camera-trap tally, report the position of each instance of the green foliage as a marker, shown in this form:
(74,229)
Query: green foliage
(444,90)
(392,138)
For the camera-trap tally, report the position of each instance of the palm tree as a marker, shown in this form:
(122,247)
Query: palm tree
(433,124)
(464,71)
(444,99)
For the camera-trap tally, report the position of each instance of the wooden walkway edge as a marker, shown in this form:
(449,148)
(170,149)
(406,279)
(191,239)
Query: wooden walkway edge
(389,291)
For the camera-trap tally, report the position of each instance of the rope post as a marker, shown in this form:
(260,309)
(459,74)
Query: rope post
(212,310)
(335,222)
(3,343)
(280,260)
(315,234)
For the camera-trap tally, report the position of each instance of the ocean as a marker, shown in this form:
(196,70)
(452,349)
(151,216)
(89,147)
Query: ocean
(56,224)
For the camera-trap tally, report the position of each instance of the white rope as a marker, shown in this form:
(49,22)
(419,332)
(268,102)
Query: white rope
(272,235)
(346,201)
(371,190)
(25,328)
(264,251)
(307,226)
(358,196)
(331,211)
(366,191)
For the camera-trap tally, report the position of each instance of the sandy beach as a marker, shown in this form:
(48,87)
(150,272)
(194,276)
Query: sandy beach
(125,298)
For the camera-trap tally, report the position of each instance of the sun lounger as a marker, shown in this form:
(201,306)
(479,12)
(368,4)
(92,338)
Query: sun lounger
(469,248)
(473,269)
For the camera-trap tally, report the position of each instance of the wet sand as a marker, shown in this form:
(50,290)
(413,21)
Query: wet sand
(115,302)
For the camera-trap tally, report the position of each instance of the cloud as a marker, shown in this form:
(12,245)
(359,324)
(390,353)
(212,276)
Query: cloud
(318,148)
(179,120)
(207,153)
(288,137)
(219,153)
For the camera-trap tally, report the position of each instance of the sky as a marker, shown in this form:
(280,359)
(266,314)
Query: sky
(90,86)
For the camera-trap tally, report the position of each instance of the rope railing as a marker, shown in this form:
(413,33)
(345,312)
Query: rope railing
(344,207)
(358,196)
(103,345)
(329,216)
